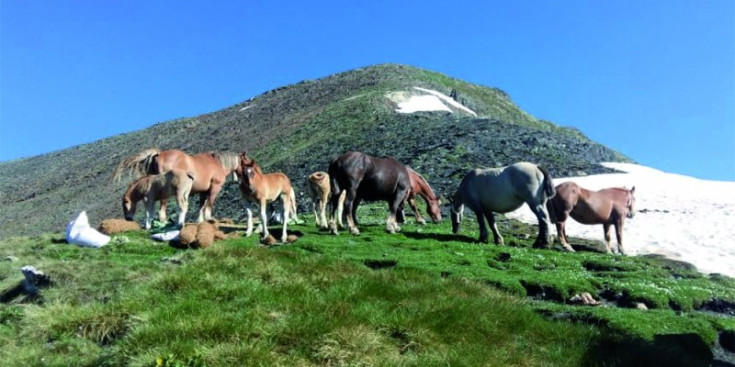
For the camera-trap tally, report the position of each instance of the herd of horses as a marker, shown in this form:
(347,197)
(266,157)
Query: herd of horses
(355,177)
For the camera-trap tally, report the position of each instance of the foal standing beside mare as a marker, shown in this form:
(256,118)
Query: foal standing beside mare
(608,207)
(319,191)
(210,169)
(160,187)
(364,177)
(260,188)
(501,190)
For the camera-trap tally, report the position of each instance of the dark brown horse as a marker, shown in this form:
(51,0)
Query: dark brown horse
(419,187)
(364,177)
(608,207)
(210,169)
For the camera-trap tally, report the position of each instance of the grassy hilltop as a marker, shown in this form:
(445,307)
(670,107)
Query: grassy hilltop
(298,129)
(419,298)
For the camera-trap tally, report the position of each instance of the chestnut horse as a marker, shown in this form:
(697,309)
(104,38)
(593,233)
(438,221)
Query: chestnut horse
(608,207)
(501,190)
(419,187)
(210,169)
(159,187)
(364,177)
(260,188)
(319,191)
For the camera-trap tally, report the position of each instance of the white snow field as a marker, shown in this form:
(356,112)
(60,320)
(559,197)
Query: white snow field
(681,217)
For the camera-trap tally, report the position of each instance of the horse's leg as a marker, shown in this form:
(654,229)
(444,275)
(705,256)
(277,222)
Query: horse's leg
(400,213)
(355,204)
(606,229)
(162,211)
(415,208)
(490,216)
(315,206)
(149,208)
(484,236)
(335,212)
(202,204)
(263,218)
(286,211)
(391,224)
(349,201)
(619,234)
(544,238)
(213,191)
(183,201)
(323,211)
(249,213)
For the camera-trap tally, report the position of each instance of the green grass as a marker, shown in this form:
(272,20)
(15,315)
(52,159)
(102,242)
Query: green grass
(446,301)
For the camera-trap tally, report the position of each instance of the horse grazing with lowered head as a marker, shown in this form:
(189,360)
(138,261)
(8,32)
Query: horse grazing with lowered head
(160,188)
(210,169)
(260,188)
(364,177)
(501,190)
(608,207)
(319,191)
(419,187)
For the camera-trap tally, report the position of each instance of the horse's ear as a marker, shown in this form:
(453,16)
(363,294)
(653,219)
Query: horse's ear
(632,189)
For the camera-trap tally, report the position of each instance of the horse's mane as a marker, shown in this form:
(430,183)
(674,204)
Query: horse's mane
(138,164)
(228,160)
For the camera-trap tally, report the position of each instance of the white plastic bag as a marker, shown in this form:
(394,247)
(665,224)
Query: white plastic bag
(80,233)
(166,236)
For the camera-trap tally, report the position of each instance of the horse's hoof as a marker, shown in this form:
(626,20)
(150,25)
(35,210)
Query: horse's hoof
(355,231)
(568,248)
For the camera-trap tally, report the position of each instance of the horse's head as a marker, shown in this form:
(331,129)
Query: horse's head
(250,170)
(434,210)
(128,206)
(242,159)
(457,212)
(630,205)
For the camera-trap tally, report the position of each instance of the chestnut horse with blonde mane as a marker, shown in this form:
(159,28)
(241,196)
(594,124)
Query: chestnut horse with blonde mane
(159,187)
(608,207)
(260,188)
(210,171)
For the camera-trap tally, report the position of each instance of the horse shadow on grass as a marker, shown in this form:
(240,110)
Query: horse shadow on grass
(441,237)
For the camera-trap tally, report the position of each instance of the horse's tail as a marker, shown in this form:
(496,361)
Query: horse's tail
(548,183)
(139,163)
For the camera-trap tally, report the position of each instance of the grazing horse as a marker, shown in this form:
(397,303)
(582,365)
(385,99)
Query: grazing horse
(364,177)
(500,190)
(210,169)
(319,191)
(159,187)
(420,187)
(607,207)
(260,188)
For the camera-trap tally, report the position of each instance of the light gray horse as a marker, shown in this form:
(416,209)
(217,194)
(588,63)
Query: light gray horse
(501,190)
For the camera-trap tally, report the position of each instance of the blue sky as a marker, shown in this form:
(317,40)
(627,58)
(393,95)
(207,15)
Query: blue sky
(654,80)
